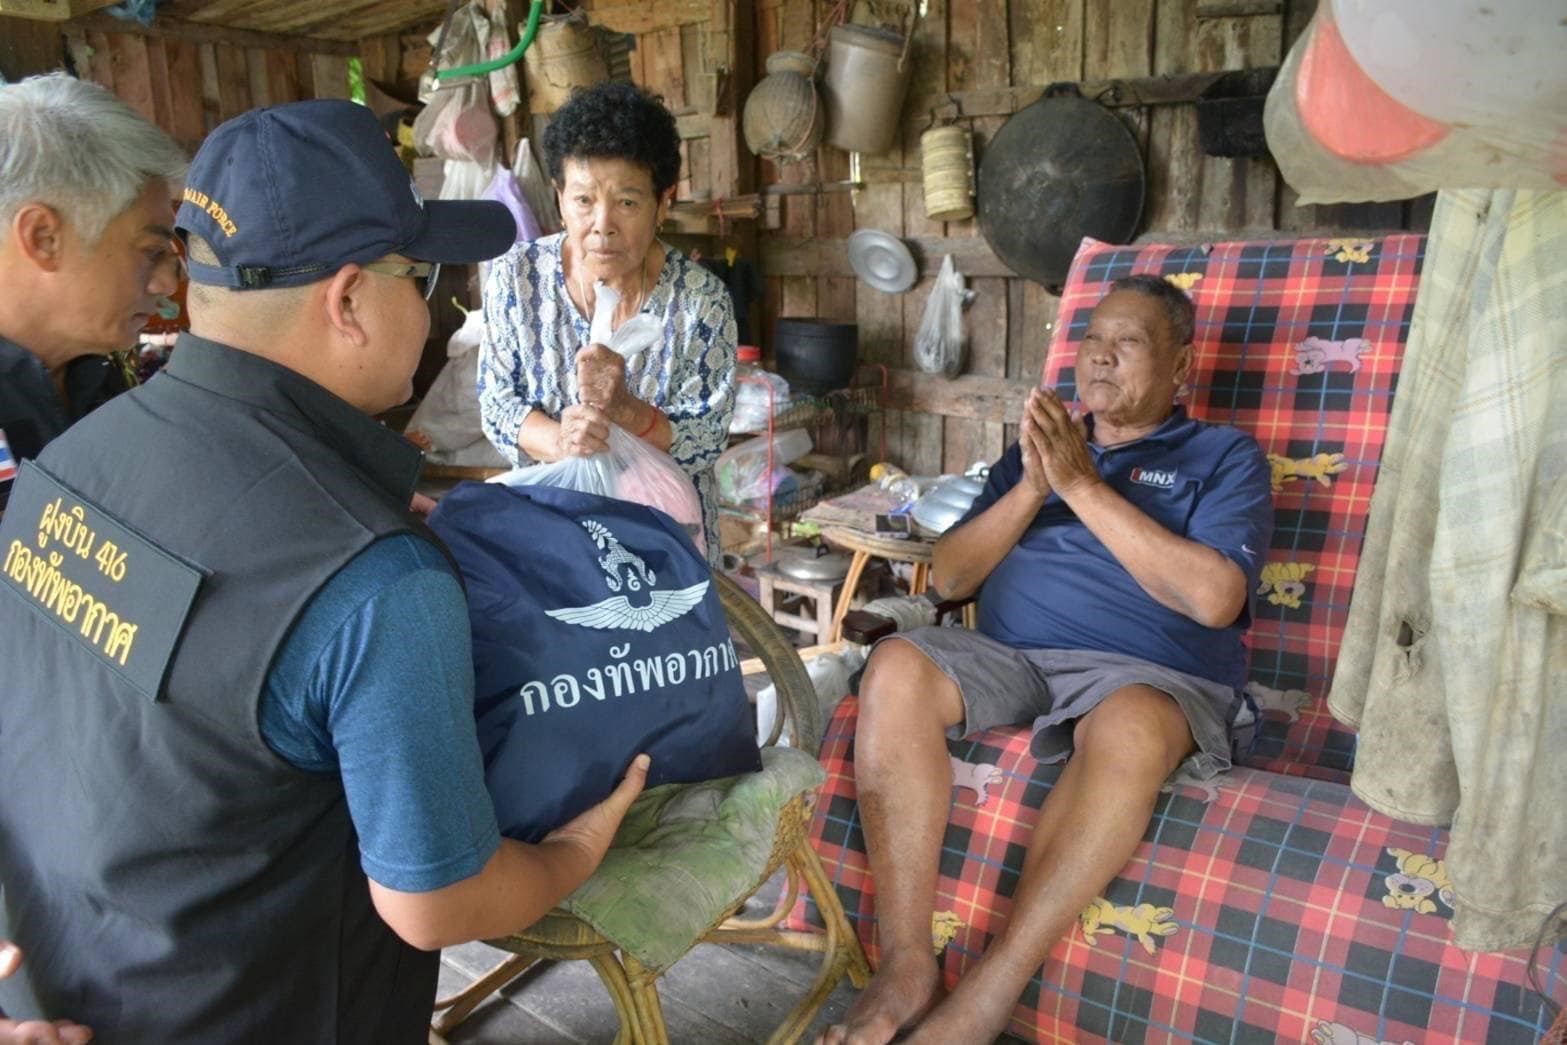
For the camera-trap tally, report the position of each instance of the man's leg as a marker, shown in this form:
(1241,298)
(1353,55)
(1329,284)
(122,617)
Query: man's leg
(905,788)
(1088,829)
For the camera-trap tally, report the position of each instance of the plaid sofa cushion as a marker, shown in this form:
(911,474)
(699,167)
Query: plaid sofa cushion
(1262,908)
(1298,343)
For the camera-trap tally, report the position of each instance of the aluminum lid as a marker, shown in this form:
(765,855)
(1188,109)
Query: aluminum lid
(882,260)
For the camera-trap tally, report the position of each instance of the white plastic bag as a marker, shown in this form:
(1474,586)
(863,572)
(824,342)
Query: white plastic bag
(742,469)
(448,415)
(635,334)
(754,403)
(630,470)
(939,345)
(535,188)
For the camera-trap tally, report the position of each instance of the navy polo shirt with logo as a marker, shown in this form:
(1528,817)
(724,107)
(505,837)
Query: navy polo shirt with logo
(1060,588)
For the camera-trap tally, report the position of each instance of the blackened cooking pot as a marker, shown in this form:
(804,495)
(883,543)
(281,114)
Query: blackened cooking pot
(1059,169)
(816,355)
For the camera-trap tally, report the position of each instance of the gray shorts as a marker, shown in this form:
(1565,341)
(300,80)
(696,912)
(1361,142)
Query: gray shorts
(1052,688)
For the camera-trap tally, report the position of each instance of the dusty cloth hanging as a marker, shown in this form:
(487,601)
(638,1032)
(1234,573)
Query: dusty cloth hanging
(1454,661)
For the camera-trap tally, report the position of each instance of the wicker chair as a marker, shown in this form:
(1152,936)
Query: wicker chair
(632,986)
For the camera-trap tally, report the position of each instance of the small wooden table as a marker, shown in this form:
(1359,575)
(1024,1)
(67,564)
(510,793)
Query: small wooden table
(864,545)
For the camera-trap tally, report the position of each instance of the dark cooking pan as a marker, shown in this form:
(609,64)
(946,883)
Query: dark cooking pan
(1059,169)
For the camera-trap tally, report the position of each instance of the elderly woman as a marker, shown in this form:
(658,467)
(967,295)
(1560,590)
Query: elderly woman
(545,392)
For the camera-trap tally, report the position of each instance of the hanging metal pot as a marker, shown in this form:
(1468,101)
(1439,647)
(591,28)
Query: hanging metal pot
(1059,169)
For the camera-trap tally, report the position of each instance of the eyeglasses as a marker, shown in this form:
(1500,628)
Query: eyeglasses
(426,271)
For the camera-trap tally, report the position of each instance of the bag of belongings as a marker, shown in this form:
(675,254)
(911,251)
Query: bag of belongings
(597,634)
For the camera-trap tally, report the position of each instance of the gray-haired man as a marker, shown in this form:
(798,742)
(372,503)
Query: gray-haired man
(86,228)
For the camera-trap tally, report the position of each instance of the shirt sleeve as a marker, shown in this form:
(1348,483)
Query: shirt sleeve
(702,380)
(502,406)
(376,683)
(1234,515)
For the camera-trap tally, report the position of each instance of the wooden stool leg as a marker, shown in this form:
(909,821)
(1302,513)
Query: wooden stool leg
(826,613)
(920,579)
(764,591)
(851,581)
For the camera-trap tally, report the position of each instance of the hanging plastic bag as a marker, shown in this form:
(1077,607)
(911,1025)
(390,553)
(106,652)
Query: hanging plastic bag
(495,42)
(939,345)
(503,188)
(630,470)
(535,188)
(447,418)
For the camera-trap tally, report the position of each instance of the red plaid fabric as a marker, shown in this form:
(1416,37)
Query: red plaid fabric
(1277,909)
(1273,905)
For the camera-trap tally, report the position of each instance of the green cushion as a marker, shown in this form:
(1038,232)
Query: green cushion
(686,854)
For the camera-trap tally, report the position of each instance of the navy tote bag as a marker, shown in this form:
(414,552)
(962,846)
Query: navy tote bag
(597,634)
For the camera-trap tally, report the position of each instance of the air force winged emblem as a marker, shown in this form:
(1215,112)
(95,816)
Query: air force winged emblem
(625,570)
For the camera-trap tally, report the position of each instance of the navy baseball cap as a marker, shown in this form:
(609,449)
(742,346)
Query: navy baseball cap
(289,194)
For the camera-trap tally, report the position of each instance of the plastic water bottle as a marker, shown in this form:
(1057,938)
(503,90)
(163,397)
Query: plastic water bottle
(896,482)
(759,393)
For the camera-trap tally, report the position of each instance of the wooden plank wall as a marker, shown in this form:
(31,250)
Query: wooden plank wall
(188,79)
(697,56)
(968,46)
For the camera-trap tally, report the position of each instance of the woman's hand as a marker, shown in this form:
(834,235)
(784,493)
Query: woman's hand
(601,377)
(583,432)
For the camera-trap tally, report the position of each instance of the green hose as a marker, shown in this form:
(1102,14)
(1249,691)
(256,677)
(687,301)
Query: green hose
(479,69)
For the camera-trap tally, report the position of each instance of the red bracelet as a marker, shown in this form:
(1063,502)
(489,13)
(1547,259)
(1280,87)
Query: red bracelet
(651,424)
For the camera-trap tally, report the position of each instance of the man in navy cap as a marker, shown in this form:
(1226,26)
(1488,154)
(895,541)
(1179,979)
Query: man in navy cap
(240,794)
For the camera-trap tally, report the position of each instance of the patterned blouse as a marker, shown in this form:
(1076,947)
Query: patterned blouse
(532,331)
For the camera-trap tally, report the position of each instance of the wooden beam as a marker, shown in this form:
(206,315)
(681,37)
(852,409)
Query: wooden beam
(693,125)
(28,47)
(997,400)
(52,10)
(1238,8)
(175,29)
(784,256)
(644,16)
(754,665)
(1122,92)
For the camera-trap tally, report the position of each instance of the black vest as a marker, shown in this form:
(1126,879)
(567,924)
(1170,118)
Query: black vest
(169,877)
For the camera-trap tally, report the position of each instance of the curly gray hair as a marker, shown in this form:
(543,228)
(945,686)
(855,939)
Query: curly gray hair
(81,150)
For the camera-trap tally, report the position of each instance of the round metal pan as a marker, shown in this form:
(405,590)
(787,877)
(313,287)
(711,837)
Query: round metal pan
(1059,169)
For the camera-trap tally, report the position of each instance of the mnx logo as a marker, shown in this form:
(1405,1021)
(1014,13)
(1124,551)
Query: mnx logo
(1164,480)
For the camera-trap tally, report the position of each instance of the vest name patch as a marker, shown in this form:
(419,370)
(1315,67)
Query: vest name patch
(1164,479)
(111,590)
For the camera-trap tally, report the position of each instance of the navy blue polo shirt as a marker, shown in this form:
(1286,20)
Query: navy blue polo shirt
(1060,588)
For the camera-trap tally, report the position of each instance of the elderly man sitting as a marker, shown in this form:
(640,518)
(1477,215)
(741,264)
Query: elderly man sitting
(1113,555)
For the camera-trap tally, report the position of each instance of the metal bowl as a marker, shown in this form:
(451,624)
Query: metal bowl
(803,566)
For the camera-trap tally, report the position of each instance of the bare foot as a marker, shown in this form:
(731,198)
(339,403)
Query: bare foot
(977,1011)
(898,995)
